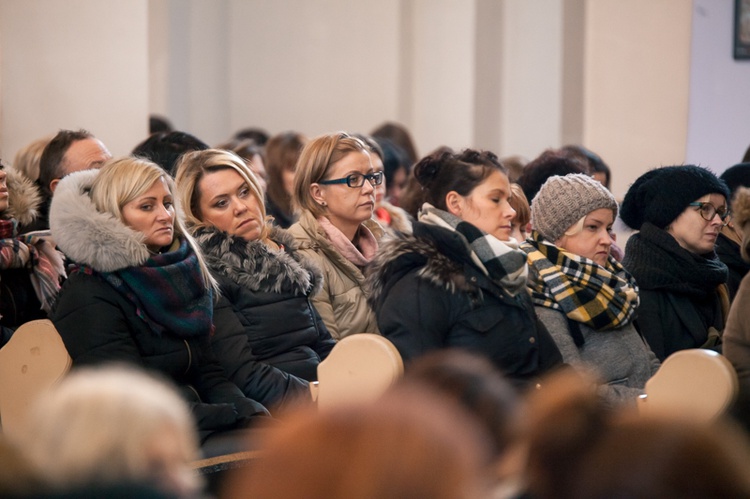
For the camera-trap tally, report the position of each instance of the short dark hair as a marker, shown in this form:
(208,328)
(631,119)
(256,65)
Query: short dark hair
(165,148)
(257,135)
(550,162)
(158,123)
(51,162)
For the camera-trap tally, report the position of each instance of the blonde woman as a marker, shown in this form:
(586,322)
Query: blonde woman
(258,267)
(139,291)
(334,189)
(112,426)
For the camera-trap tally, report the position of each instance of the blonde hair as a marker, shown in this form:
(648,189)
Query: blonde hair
(98,426)
(28,157)
(314,162)
(194,165)
(122,180)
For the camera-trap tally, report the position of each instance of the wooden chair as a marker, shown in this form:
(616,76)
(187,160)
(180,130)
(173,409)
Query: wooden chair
(694,383)
(34,359)
(359,368)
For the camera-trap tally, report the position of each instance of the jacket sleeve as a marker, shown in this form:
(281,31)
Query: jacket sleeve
(322,303)
(737,348)
(415,316)
(92,324)
(257,380)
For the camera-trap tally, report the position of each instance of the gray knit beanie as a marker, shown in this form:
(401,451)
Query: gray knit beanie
(562,201)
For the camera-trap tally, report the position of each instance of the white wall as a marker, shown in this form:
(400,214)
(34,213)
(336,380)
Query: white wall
(532,76)
(73,64)
(719,105)
(637,66)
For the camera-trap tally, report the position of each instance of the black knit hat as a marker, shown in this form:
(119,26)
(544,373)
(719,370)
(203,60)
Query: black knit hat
(660,195)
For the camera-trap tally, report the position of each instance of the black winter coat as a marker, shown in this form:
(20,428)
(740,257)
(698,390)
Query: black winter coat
(98,324)
(679,291)
(428,294)
(269,292)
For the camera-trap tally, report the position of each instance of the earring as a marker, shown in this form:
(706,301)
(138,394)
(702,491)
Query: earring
(323,204)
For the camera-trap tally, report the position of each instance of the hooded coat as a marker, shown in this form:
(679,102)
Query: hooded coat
(98,324)
(270,293)
(428,294)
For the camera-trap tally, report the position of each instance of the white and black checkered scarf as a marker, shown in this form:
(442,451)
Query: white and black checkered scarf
(501,261)
(603,298)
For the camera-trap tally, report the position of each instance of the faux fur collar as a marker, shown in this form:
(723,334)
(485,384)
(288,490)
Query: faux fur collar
(256,266)
(24,198)
(402,253)
(88,236)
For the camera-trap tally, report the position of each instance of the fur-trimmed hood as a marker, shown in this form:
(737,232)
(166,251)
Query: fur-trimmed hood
(24,198)
(89,236)
(741,218)
(257,267)
(402,253)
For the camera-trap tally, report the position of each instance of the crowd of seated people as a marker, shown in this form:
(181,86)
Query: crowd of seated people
(231,272)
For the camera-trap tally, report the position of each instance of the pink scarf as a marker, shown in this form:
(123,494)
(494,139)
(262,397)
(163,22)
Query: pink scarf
(361,256)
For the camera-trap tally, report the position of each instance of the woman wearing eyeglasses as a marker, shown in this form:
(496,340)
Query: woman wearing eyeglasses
(679,211)
(459,281)
(334,189)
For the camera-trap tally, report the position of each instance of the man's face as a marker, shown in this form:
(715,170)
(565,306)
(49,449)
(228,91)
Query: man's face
(84,155)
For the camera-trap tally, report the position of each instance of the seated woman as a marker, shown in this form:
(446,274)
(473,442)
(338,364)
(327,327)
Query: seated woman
(679,211)
(459,281)
(334,187)
(259,270)
(140,292)
(582,294)
(30,267)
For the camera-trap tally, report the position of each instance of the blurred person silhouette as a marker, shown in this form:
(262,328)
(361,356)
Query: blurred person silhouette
(399,135)
(111,425)
(730,238)
(578,448)
(550,162)
(165,148)
(28,157)
(409,443)
(281,153)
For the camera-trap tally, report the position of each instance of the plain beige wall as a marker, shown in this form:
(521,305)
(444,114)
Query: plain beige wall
(637,68)
(514,76)
(73,64)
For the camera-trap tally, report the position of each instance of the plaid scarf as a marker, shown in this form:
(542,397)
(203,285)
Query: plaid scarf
(36,254)
(501,261)
(168,291)
(603,298)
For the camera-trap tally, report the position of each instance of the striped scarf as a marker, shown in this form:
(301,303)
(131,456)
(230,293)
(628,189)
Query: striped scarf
(36,254)
(168,291)
(501,261)
(603,298)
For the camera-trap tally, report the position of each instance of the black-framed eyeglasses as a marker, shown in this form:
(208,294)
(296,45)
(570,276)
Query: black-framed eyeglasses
(709,211)
(356,179)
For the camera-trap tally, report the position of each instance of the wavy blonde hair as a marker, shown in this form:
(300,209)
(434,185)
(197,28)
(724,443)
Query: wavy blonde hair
(193,166)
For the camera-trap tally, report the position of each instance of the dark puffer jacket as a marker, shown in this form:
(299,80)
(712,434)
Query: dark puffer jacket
(428,294)
(98,324)
(269,292)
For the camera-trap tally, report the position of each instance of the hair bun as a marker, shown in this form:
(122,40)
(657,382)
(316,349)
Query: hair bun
(428,167)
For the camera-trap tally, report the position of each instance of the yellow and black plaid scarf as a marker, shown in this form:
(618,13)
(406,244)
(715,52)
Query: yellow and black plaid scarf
(603,298)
